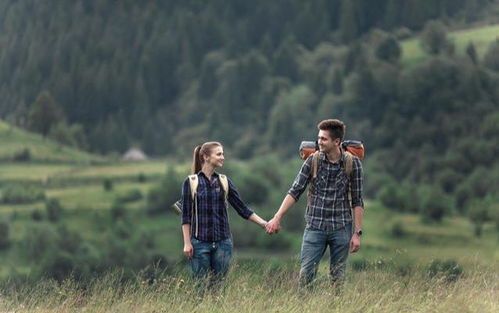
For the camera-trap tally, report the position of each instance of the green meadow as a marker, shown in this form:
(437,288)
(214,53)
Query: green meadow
(406,264)
(481,37)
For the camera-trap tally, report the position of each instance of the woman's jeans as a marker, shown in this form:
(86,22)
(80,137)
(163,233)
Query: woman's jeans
(211,260)
(315,243)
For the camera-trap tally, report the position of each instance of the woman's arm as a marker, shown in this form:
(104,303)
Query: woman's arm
(258,220)
(188,249)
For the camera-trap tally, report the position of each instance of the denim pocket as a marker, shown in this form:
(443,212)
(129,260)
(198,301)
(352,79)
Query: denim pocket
(227,243)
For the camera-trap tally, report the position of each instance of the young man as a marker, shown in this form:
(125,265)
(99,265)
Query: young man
(329,210)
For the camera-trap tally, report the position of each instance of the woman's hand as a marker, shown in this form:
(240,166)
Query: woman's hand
(188,250)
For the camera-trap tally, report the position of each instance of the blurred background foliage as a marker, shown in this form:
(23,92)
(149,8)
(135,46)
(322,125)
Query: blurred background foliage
(417,81)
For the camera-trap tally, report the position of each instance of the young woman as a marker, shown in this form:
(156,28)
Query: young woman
(205,223)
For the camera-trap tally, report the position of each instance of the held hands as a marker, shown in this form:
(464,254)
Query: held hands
(273,226)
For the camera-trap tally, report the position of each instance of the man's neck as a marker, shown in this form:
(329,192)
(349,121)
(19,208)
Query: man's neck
(334,156)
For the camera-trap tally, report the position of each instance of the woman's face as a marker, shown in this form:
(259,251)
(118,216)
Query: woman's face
(216,157)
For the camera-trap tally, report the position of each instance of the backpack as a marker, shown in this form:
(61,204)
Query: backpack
(194,182)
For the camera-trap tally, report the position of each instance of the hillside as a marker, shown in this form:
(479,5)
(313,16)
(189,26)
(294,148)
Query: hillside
(19,144)
(167,75)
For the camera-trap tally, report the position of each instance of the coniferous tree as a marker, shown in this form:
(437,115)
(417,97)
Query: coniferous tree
(44,113)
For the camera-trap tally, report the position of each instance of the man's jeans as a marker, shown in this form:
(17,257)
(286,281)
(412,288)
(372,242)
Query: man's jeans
(211,260)
(313,247)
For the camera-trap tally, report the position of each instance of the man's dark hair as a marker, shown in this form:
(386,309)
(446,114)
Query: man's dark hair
(336,128)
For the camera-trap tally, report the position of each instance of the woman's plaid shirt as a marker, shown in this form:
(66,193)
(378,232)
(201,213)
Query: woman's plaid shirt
(212,209)
(328,207)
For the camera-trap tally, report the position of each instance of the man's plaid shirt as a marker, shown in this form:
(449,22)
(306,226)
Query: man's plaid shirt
(329,207)
(212,209)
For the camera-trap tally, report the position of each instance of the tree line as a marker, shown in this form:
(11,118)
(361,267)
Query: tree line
(258,76)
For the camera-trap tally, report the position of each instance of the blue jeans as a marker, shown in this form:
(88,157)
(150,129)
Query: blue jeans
(211,259)
(315,243)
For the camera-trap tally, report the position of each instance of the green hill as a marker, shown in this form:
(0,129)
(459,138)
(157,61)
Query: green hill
(20,144)
(481,37)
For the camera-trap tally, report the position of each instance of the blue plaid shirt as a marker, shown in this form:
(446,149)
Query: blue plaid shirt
(212,210)
(328,207)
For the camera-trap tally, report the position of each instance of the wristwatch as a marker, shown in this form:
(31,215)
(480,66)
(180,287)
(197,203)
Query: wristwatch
(359,232)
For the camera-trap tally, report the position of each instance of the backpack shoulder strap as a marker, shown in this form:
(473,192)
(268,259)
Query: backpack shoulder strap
(348,171)
(225,185)
(348,164)
(314,165)
(313,175)
(193,182)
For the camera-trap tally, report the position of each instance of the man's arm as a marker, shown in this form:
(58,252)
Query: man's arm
(274,224)
(358,212)
(300,183)
(357,203)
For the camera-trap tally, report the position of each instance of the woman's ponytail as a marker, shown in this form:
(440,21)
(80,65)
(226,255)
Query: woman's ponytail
(196,161)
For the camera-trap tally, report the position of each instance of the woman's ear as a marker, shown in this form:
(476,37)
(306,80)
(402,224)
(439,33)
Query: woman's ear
(204,157)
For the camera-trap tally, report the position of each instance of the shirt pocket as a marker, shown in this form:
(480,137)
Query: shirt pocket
(202,193)
(341,185)
(320,183)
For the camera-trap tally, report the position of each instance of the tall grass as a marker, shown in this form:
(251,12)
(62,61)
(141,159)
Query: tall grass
(253,289)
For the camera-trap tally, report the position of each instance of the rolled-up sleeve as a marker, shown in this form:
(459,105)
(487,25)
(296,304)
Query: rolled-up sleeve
(236,202)
(186,203)
(302,179)
(357,183)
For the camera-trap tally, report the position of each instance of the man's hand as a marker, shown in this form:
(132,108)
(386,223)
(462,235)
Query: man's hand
(355,243)
(273,226)
(188,250)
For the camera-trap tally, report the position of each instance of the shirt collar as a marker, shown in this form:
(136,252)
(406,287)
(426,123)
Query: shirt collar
(324,158)
(201,173)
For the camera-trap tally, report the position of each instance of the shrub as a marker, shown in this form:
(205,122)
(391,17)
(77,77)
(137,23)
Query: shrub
(435,204)
(23,155)
(449,269)
(160,198)
(130,196)
(22,194)
(141,178)
(253,189)
(360,265)
(57,265)
(117,211)
(480,212)
(107,184)
(54,209)
(4,235)
(36,215)
(398,230)
(392,197)
(39,239)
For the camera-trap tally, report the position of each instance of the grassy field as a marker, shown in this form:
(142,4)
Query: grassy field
(412,52)
(266,289)
(389,274)
(66,174)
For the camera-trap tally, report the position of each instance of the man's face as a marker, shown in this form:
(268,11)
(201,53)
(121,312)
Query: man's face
(216,157)
(326,143)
